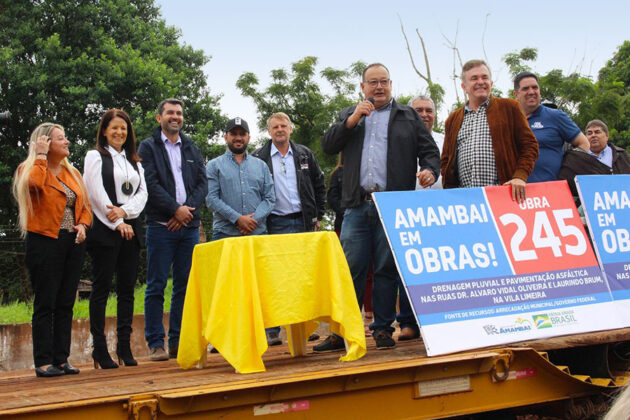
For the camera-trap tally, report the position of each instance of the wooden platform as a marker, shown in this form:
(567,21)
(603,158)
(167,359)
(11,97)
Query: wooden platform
(21,389)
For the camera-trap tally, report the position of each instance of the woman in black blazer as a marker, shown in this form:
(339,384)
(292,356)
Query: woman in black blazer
(114,179)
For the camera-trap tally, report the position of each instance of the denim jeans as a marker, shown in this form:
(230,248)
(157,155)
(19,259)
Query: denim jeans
(405,317)
(164,249)
(363,240)
(281,225)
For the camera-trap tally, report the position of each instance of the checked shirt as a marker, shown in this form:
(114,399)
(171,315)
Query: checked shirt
(475,155)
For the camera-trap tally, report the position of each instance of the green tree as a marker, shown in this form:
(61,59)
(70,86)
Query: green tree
(68,61)
(298,94)
(516,60)
(613,104)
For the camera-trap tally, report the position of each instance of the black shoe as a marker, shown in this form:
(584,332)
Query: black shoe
(384,340)
(332,343)
(172,351)
(49,372)
(68,369)
(313,337)
(123,351)
(103,359)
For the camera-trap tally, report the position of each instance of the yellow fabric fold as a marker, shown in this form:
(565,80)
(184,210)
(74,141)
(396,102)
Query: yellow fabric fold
(240,286)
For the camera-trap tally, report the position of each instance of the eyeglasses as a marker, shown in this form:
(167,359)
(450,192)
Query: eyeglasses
(375,83)
(284,166)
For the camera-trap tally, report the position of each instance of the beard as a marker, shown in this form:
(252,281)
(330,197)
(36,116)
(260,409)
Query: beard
(237,150)
(166,127)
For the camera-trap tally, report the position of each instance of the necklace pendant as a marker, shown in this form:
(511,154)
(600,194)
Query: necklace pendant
(126,188)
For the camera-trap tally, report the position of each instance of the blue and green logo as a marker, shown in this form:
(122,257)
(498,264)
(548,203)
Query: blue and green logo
(542,321)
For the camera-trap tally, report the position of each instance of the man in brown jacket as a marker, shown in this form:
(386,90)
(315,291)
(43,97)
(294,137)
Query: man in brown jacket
(488,141)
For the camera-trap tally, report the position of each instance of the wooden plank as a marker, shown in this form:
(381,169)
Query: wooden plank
(20,389)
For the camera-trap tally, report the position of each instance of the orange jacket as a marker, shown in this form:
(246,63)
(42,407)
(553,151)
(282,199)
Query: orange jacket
(49,200)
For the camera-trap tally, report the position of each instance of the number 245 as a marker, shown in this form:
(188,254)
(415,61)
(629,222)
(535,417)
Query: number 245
(543,235)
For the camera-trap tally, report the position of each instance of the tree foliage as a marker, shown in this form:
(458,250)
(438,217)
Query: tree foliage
(516,60)
(67,61)
(297,93)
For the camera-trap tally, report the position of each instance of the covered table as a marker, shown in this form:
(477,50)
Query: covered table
(240,286)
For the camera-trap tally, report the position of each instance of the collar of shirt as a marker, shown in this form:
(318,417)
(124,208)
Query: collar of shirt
(536,112)
(483,105)
(604,156)
(115,152)
(386,107)
(275,150)
(166,139)
(230,154)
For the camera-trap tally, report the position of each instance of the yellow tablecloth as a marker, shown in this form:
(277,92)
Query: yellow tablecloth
(240,286)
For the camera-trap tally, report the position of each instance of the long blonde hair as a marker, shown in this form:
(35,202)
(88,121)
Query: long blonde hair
(20,187)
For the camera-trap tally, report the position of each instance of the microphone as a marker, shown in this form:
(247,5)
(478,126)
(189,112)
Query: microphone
(362,119)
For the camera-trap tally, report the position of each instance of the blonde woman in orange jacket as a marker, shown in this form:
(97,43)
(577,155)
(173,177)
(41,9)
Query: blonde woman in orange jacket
(54,217)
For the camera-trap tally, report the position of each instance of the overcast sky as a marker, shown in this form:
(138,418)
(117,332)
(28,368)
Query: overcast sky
(259,37)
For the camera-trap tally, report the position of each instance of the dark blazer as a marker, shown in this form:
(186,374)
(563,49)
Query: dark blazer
(408,143)
(334,196)
(310,180)
(579,162)
(161,204)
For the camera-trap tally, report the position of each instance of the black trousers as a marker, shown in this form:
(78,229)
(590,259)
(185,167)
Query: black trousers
(120,259)
(55,267)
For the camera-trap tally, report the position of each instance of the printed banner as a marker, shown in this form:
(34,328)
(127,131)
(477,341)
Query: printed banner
(606,203)
(481,269)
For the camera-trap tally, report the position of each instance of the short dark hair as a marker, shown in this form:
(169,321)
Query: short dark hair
(598,123)
(172,101)
(471,64)
(373,65)
(522,75)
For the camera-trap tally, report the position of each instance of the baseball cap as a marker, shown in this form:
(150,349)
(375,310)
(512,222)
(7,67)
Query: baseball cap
(237,122)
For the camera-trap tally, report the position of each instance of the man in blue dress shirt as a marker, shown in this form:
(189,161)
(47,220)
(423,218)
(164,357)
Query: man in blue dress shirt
(240,189)
(552,128)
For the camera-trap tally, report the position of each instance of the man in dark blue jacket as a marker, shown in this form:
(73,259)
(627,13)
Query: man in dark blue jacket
(176,183)
(383,143)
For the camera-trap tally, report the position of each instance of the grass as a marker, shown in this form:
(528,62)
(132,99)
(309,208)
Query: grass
(22,312)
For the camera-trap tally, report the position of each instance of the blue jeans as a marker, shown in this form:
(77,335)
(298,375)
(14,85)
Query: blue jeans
(279,224)
(363,240)
(164,249)
(405,317)
(283,225)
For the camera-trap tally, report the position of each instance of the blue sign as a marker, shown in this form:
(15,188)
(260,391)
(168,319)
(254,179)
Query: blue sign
(482,269)
(606,203)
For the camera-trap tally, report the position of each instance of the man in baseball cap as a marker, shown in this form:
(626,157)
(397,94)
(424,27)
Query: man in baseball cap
(240,188)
